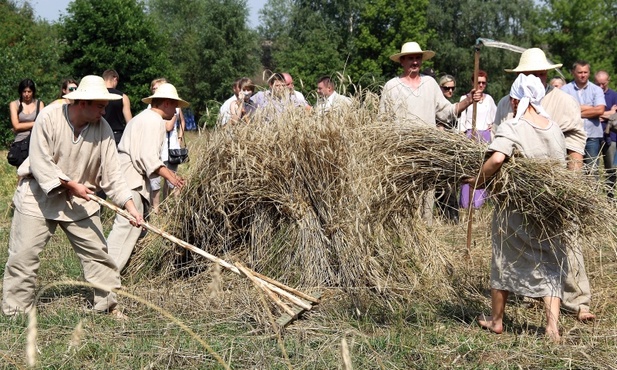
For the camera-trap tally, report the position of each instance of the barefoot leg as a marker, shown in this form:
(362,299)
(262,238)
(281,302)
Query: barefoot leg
(494,323)
(584,315)
(551,307)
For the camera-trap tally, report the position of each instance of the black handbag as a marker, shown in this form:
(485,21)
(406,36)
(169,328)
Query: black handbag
(177,156)
(18,152)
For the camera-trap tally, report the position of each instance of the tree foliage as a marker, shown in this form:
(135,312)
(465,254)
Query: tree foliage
(203,45)
(28,49)
(210,46)
(458,24)
(115,34)
(582,29)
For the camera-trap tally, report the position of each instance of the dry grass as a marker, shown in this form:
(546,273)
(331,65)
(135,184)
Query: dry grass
(326,204)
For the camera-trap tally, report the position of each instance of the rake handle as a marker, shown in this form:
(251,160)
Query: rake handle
(264,281)
(166,235)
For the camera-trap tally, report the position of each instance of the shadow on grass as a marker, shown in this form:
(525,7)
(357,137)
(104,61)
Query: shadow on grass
(62,292)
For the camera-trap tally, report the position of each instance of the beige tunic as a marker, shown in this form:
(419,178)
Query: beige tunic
(55,154)
(563,109)
(525,260)
(140,150)
(425,103)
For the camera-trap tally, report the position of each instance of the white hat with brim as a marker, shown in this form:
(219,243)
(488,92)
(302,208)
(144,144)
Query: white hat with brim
(532,60)
(166,91)
(92,88)
(412,48)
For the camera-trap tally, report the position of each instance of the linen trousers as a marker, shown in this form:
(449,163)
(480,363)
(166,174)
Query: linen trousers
(28,237)
(123,236)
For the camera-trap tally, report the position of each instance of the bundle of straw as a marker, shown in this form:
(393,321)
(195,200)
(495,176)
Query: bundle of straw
(315,200)
(293,199)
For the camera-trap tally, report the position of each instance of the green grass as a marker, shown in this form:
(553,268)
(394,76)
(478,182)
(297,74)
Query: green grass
(425,332)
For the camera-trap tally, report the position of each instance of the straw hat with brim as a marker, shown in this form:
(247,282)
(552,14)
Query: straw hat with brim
(92,88)
(166,91)
(532,60)
(412,48)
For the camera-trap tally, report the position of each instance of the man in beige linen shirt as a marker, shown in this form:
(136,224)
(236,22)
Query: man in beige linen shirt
(140,160)
(413,98)
(72,154)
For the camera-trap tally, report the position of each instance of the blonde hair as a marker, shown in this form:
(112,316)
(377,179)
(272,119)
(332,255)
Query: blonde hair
(160,80)
(445,79)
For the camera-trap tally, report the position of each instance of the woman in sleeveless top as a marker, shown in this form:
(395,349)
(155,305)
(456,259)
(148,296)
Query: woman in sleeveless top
(24,110)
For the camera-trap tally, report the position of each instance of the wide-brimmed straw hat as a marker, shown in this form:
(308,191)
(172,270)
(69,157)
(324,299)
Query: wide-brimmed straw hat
(412,48)
(166,91)
(532,60)
(92,88)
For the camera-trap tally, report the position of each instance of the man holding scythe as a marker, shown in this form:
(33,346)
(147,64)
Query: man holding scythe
(414,96)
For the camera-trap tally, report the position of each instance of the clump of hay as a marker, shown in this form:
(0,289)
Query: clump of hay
(417,158)
(294,199)
(328,201)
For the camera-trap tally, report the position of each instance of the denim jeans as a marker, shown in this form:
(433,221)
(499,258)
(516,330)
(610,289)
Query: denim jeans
(608,154)
(592,153)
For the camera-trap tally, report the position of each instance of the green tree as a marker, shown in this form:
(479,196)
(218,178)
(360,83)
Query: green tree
(211,46)
(382,28)
(457,25)
(28,49)
(582,29)
(308,38)
(115,34)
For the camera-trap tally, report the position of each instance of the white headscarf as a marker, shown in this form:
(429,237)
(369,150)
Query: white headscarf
(528,89)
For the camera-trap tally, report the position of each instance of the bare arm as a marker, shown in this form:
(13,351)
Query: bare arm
(489,168)
(170,176)
(130,207)
(182,125)
(169,125)
(590,111)
(607,114)
(126,108)
(19,126)
(473,96)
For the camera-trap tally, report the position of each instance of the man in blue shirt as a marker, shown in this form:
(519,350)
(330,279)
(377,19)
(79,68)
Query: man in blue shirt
(591,99)
(602,79)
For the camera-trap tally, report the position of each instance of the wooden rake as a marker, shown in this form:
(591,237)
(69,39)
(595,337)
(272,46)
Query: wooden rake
(291,301)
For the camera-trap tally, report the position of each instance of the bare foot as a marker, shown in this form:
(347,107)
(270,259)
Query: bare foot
(118,315)
(486,322)
(584,315)
(552,334)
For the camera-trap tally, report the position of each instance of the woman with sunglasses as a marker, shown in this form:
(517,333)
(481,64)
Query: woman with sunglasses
(446,197)
(68,85)
(484,124)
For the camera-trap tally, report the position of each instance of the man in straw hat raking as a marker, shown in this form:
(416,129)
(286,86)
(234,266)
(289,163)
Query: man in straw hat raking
(140,160)
(417,99)
(72,155)
(565,111)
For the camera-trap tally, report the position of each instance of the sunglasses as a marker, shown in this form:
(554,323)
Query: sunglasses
(448,88)
(72,88)
(481,82)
